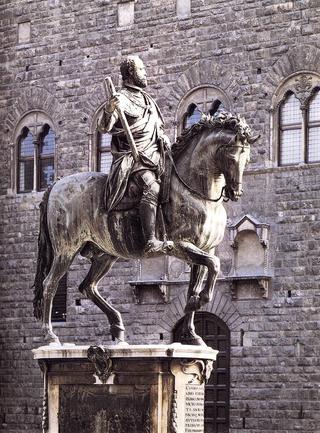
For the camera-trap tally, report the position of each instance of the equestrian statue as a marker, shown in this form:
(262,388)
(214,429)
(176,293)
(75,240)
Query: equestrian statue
(157,199)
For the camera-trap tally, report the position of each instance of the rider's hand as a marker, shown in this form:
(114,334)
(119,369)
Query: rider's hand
(165,140)
(114,103)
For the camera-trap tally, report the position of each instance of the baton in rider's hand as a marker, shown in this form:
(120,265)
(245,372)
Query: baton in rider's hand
(115,101)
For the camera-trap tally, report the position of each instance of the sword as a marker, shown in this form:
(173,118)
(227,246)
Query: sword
(109,86)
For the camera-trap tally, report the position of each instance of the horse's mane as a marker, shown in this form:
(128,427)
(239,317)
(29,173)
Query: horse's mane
(223,121)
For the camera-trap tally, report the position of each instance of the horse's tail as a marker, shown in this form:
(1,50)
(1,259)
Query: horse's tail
(45,256)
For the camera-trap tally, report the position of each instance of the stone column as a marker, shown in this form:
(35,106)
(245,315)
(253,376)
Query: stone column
(124,389)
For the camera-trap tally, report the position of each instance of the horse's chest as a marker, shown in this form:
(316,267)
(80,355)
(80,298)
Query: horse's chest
(212,228)
(202,225)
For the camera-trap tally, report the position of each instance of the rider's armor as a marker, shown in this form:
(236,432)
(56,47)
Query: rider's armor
(146,125)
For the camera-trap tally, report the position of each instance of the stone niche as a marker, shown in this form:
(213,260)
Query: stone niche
(249,276)
(124,389)
(156,276)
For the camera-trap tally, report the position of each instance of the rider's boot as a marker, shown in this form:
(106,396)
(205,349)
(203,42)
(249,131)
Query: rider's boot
(148,214)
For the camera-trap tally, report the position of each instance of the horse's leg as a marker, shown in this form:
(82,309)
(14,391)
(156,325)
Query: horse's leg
(58,269)
(100,265)
(194,255)
(197,275)
(206,294)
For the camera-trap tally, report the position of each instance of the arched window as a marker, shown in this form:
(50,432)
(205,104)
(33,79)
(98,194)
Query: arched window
(35,153)
(208,100)
(25,161)
(291,149)
(192,116)
(46,157)
(217,107)
(296,114)
(101,156)
(314,128)
(104,156)
(216,334)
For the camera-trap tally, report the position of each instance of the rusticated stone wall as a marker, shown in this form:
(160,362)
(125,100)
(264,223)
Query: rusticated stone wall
(246,48)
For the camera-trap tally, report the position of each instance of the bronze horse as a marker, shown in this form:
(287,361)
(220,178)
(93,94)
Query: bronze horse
(208,164)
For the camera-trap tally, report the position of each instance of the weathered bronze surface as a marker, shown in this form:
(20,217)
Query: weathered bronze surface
(94,409)
(207,164)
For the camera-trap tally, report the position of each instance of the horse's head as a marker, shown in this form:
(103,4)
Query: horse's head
(234,155)
(220,144)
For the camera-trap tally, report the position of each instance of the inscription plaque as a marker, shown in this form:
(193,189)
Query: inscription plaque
(103,409)
(194,409)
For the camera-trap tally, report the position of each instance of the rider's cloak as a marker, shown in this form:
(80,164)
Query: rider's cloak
(146,124)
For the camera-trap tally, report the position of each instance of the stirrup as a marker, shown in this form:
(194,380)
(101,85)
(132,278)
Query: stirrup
(156,246)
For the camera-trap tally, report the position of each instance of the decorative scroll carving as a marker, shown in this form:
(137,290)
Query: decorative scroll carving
(208,367)
(303,88)
(174,413)
(100,358)
(45,408)
(200,370)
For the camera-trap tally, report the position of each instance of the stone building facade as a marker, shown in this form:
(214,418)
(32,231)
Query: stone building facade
(258,58)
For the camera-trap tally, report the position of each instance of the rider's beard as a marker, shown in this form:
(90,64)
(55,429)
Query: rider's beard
(139,81)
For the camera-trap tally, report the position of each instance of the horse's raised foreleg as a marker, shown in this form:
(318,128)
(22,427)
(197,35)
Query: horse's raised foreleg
(206,294)
(100,265)
(211,262)
(201,262)
(58,269)
(189,334)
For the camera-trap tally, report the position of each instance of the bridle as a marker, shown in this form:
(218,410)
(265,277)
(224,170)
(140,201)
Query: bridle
(198,193)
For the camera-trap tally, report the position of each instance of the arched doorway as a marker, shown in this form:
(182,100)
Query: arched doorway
(216,334)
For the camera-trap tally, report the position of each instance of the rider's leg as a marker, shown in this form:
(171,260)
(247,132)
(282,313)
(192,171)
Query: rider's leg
(148,210)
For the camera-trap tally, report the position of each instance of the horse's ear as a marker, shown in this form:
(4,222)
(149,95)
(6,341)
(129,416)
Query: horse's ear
(253,138)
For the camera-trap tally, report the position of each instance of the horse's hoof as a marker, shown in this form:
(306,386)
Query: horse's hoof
(193,340)
(52,339)
(117,332)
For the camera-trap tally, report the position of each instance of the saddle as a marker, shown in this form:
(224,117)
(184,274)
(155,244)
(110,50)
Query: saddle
(133,194)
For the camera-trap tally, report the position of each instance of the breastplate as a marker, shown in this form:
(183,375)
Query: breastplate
(134,105)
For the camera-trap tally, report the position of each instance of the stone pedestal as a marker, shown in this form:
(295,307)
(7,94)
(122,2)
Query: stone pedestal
(124,389)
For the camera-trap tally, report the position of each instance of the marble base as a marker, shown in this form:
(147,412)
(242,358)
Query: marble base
(124,389)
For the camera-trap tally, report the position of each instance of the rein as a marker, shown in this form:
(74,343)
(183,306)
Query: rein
(194,191)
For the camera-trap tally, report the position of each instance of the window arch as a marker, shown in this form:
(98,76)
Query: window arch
(101,157)
(204,99)
(296,114)
(216,334)
(35,153)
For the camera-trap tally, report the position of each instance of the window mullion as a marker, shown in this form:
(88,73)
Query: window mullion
(36,167)
(304,135)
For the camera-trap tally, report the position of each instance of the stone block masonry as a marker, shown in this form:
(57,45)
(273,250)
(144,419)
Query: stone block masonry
(54,55)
